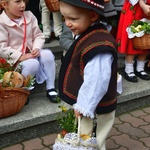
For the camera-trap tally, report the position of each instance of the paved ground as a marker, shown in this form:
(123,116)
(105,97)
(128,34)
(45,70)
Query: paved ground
(131,131)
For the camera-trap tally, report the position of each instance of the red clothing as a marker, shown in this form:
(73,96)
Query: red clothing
(128,14)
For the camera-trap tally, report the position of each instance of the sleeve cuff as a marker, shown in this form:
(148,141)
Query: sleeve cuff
(83,111)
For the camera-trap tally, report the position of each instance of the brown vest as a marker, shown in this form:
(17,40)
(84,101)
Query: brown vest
(94,41)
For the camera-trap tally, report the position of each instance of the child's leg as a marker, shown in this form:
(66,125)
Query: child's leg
(129,69)
(140,67)
(86,126)
(45,20)
(48,63)
(104,125)
(48,66)
(30,67)
(57,20)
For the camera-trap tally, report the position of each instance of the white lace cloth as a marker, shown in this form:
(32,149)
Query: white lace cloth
(139,34)
(72,141)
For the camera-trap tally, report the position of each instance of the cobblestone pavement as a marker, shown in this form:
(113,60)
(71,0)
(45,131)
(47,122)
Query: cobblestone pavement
(131,131)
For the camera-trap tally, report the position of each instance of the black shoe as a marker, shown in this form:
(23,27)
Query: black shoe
(142,74)
(53,98)
(27,101)
(58,37)
(47,40)
(130,78)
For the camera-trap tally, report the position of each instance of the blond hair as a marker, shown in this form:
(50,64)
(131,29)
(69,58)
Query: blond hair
(1,7)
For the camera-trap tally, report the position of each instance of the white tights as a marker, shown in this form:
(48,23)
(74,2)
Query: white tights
(104,125)
(43,68)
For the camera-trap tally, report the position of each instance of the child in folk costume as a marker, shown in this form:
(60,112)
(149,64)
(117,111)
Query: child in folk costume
(21,37)
(132,10)
(88,75)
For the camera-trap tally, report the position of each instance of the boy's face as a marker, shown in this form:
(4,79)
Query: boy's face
(76,18)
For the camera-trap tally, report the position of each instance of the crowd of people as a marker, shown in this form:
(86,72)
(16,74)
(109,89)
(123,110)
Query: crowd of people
(88,77)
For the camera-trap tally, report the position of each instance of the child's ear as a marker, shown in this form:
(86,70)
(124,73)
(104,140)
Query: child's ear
(94,16)
(3,4)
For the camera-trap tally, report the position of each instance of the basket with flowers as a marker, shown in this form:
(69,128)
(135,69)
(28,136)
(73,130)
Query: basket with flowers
(70,137)
(139,33)
(14,88)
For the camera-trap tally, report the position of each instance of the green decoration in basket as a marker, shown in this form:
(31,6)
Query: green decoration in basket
(139,33)
(138,26)
(65,120)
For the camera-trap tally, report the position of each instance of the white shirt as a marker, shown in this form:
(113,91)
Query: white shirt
(97,75)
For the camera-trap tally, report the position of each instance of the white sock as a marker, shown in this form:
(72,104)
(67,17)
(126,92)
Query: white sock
(129,68)
(140,66)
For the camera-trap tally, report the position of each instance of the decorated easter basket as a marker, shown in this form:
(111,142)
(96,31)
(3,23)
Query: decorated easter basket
(75,141)
(14,89)
(52,5)
(12,100)
(139,33)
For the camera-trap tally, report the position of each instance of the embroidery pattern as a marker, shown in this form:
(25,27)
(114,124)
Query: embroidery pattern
(93,3)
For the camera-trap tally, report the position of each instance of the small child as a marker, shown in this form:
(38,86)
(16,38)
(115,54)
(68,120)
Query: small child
(132,10)
(21,37)
(88,75)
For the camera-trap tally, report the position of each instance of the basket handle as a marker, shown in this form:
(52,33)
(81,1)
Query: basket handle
(1,91)
(78,121)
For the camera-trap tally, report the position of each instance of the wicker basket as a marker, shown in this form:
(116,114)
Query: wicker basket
(52,5)
(141,43)
(12,100)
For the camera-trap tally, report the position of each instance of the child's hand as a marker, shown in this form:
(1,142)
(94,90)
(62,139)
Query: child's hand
(35,53)
(77,114)
(25,57)
(147,10)
(145,7)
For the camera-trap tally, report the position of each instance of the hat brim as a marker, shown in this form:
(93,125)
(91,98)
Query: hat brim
(109,9)
(84,5)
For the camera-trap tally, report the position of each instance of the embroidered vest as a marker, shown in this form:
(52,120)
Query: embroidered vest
(94,41)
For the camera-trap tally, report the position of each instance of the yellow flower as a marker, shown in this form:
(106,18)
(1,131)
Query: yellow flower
(64,109)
